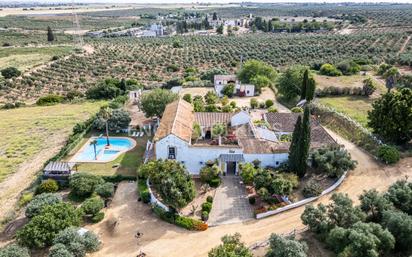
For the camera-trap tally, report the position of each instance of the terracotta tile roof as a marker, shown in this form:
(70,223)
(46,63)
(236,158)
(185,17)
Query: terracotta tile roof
(285,122)
(208,119)
(178,120)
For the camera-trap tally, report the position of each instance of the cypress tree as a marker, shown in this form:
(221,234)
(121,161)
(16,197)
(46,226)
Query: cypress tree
(293,149)
(310,91)
(303,144)
(305,85)
(50,36)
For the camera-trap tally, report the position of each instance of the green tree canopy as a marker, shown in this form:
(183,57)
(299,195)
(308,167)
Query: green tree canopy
(285,247)
(172,181)
(253,68)
(391,116)
(119,119)
(153,103)
(290,82)
(400,225)
(231,246)
(42,229)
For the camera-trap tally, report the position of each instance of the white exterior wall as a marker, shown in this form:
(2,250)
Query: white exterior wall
(267,159)
(218,89)
(249,90)
(195,157)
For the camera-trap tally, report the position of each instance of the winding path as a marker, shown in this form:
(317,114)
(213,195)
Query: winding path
(162,239)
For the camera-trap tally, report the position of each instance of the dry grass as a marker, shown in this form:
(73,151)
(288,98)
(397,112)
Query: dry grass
(25,132)
(25,58)
(356,107)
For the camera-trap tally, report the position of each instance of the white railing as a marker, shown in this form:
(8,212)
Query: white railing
(304,201)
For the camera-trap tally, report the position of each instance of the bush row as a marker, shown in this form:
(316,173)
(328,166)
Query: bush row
(181,221)
(347,128)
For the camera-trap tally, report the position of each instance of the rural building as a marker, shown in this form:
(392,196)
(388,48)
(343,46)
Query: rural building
(240,89)
(243,141)
(59,171)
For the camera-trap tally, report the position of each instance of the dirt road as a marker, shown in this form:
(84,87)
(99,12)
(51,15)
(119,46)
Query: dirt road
(161,239)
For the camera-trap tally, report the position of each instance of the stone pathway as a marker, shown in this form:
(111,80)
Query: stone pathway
(230,204)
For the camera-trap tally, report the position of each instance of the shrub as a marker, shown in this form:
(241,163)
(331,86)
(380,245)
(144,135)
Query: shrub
(388,154)
(231,246)
(209,199)
(10,72)
(105,189)
(207,206)
(36,205)
(41,230)
(297,109)
(215,182)
(49,100)
(77,244)
(143,191)
(93,205)
(312,189)
(98,217)
(48,186)
(247,173)
(187,98)
(59,250)
(84,184)
(190,224)
(205,215)
(207,173)
(228,90)
(172,181)
(253,103)
(330,70)
(332,160)
(25,198)
(14,250)
(269,103)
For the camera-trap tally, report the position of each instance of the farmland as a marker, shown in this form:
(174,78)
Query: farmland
(30,130)
(148,59)
(29,57)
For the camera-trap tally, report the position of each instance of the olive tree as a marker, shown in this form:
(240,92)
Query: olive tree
(153,103)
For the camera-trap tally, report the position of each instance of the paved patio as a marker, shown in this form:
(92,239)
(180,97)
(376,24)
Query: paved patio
(230,204)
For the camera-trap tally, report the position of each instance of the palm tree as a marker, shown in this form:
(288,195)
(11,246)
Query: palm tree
(94,143)
(106,114)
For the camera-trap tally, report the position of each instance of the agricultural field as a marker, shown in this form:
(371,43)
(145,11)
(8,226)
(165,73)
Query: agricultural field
(31,38)
(29,57)
(28,131)
(356,107)
(148,59)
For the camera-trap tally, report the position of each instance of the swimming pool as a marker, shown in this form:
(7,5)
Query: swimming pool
(104,153)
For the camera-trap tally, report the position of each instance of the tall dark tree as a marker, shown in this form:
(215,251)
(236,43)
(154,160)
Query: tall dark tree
(123,85)
(293,149)
(214,16)
(270,26)
(305,83)
(303,144)
(310,90)
(50,35)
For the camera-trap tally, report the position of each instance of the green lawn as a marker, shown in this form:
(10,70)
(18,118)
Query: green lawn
(127,162)
(25,58)
(28,131)
(356,107)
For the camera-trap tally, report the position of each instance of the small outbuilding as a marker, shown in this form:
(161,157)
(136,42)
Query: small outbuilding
(59,171)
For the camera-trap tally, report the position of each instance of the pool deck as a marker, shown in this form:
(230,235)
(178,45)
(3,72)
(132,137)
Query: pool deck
(121,151)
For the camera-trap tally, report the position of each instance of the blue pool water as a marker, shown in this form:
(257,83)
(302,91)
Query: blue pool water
(104,154)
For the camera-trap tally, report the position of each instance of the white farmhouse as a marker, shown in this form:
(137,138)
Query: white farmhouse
(242,142)
(240,89)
